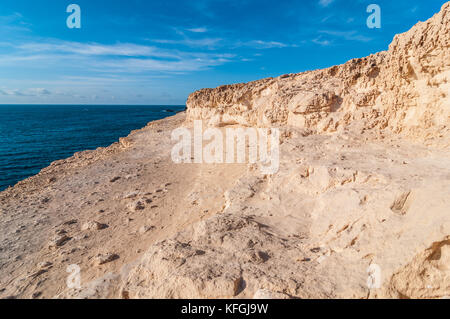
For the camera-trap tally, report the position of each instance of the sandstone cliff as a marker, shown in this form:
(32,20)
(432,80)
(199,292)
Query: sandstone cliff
(403,90)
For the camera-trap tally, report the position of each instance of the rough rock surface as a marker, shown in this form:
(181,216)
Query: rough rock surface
(363,187)
(403,90)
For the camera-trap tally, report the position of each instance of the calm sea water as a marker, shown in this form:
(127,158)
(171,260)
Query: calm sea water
(33,136)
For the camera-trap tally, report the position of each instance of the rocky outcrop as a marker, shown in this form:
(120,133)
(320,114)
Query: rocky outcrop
(403,90)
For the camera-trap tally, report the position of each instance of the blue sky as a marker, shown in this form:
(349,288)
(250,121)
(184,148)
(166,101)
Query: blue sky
(157,52)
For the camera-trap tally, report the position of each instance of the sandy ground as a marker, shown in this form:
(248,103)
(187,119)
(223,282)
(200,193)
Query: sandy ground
(103,186)
(336,206)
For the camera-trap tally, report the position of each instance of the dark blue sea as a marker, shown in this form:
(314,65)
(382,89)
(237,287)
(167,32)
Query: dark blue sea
(33,136)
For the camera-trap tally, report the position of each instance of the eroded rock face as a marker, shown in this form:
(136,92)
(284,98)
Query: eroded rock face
(427,276)
(402,90)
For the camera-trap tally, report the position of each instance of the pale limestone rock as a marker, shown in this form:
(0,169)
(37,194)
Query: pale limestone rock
(93,225)
(404,90)
(105,258)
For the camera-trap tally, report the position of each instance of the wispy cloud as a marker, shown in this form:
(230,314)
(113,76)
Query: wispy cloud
(26,92)
(325,3)
(347,35)
(198,30)
(103,58)
(193,43)
(259,44)
(321,42)
(151,46)
(14,22)
(125,49)
(185,64)
(14,18)
(218,43)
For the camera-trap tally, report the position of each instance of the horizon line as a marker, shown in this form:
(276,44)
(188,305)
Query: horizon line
(66,104)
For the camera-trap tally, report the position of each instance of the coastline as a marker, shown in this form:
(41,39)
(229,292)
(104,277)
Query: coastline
(30,146)
(98,204)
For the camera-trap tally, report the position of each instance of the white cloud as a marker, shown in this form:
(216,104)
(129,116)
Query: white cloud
(194,43)
(13,23)
(347,35)
(108,59)
(198,30)
(321,42)
(121,49)
(39,91)
(25,92)
(325,3)
(259,44)
(268,44)
(338,36)
(186,64)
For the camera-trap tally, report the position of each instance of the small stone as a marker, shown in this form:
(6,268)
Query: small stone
(136,206)
(68,252)
(131,195)
(115,179)
(38,273)
(52,179)
(36,294)
(321,259)
(58,241)
(145,229)
(238,285)
(70,222)
(105,258)
(125,294)
(262,256)
(93,225)
(44,265)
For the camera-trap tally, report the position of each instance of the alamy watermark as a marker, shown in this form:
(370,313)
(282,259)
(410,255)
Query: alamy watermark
(374,276)
(258,141)
(73,281)
(374,20)
(74,19)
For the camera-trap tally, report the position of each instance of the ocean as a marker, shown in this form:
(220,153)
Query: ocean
(33,136)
